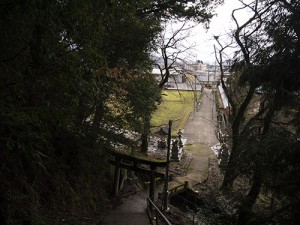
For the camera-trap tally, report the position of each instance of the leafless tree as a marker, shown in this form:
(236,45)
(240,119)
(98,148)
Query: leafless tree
(259,45)
(174,50)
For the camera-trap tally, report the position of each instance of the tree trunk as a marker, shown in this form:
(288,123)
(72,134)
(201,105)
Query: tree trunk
(144,145)
(245,211)
(231,171)
(144,136)
(94,132)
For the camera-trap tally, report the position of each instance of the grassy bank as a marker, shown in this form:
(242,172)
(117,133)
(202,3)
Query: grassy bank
(176,106)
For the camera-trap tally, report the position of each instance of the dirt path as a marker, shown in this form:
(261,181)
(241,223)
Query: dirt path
(200,134)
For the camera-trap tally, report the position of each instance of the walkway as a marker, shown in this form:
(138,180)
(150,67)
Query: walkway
(200,134)
(131,212)
(201,128)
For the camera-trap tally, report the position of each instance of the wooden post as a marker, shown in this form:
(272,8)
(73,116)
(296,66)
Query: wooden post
(186,184)
(117,176)
(165,201)
(152,183)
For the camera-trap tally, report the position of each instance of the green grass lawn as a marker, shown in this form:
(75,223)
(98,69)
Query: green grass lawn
(176,106)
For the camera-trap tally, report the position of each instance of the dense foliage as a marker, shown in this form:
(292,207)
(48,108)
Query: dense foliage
(265,147)
(71,72)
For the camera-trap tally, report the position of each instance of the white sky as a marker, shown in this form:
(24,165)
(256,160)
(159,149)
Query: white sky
(202,39)
(220,25)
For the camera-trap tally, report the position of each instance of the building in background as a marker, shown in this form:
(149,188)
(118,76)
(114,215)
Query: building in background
(184,75)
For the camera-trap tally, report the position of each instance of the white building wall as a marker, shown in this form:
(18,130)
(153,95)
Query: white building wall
(223,97)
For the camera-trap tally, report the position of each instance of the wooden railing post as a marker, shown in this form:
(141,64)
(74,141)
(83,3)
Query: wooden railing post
(117,176)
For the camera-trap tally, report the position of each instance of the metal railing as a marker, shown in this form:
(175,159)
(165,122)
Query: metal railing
(178,189)
(155,215)
(190,207)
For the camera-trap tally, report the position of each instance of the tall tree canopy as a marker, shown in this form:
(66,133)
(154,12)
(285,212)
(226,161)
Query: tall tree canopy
(64,65)
(269,59)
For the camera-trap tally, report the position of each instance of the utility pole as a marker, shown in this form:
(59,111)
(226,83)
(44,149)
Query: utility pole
(166,194)
(213,103)
(207,78)
(195,96)
(215,73)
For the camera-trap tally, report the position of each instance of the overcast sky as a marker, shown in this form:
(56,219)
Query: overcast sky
(220,25)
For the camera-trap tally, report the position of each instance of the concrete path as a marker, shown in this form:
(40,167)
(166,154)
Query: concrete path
(200,134)
(131,212)
(201,125)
